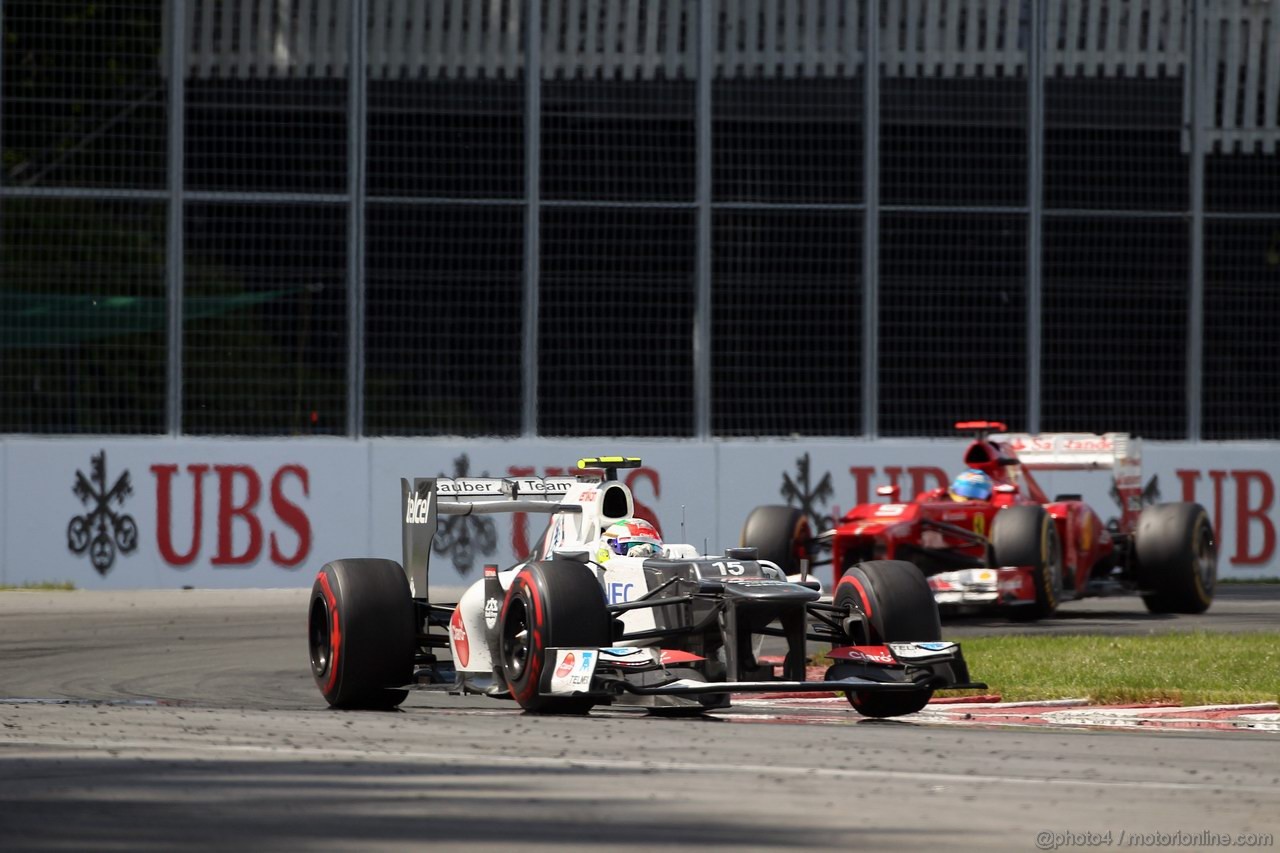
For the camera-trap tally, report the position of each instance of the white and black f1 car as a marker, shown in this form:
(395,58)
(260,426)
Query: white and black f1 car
(562,632)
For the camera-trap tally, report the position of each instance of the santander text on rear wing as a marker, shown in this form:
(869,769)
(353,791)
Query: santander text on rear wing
(1080,451)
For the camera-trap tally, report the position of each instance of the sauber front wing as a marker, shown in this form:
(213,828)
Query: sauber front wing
(897,667)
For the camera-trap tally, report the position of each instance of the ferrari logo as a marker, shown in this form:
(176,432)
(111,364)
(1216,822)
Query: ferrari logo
(980,524)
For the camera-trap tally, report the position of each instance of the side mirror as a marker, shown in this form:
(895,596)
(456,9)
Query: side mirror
(806,581)
(893,493)
(1004,494)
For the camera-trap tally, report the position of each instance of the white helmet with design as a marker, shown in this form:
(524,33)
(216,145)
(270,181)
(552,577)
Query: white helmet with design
(630,537)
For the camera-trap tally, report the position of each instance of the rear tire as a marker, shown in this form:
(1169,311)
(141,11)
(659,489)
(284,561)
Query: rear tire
(361,634)
(780,534)
(1025,535)
(899,607)
(549,604)
(1177,558)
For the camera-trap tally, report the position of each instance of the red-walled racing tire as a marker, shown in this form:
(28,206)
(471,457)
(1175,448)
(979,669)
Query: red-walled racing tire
(899,606)
(550,604)
(361,633)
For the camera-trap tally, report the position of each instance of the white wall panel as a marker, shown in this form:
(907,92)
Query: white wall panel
(319,500)
(268,511)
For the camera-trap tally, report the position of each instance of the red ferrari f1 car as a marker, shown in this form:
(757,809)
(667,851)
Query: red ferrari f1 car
(1009,545)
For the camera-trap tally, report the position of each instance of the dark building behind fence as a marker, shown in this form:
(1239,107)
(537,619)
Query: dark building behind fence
(667,218)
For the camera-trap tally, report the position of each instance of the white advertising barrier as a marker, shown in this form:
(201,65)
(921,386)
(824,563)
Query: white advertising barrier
(139,513)
(1236,483)
(269,513)
(122,513)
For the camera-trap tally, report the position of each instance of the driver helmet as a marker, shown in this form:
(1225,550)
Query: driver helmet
(971,485)
(630,537)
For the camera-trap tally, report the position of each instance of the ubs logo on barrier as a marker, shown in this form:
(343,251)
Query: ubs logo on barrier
(239,491)
(101,531)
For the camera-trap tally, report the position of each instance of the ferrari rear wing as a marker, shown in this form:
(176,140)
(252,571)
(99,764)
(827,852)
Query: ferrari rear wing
(1079,451)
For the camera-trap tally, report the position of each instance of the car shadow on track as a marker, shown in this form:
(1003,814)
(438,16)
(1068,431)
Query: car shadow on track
(291,805)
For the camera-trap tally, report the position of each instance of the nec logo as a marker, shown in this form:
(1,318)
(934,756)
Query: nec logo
(617,593)
(417,509)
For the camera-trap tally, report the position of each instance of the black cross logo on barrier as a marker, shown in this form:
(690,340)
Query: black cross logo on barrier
(798,492)
(89,532)
(460,536)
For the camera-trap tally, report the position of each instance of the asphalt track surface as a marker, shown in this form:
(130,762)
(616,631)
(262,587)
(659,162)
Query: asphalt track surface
(188,719)
(1236,607)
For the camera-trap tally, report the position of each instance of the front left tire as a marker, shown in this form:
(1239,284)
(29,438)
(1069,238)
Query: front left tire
(557,603)
(899,606)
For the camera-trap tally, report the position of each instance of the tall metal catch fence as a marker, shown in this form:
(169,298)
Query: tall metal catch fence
(666,218)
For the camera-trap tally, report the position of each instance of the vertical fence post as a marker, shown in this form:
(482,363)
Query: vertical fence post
(1196,31)
(702,287)
(532,210)
(1035,212)
(174,254)
(1,115)
(871,223)
(357,133)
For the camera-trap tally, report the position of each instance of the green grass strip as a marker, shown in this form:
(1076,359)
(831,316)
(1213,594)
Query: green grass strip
(1183,668)
(42,586)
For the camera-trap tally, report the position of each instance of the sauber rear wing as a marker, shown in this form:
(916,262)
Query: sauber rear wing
(427,498)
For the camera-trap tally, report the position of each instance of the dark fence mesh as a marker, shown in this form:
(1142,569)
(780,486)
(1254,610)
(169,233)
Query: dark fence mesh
(265,343)
(82,316)
(614,343)
(953,321)
(1115,321)
(443,324)
(787,308)
(298,203)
